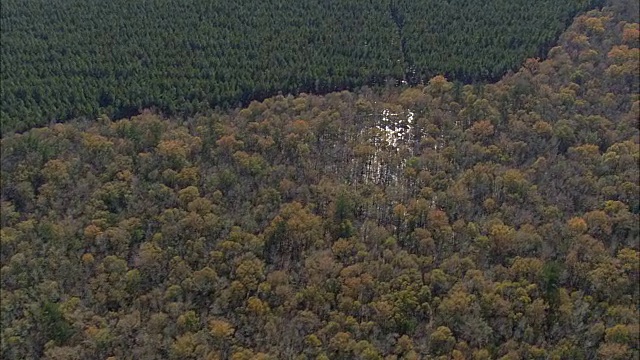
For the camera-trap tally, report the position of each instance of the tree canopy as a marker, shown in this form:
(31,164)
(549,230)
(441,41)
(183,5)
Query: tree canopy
(64,59)
(440,221)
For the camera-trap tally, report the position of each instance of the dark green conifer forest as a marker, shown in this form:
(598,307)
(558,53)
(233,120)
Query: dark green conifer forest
(64,59)
(431,220)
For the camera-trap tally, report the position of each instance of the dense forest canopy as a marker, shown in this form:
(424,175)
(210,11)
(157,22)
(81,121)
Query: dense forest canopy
(68,58)
(496,221)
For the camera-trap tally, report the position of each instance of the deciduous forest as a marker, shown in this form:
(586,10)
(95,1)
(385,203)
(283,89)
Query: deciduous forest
(435,221)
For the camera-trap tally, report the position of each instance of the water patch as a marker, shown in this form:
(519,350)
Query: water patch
(392,140)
